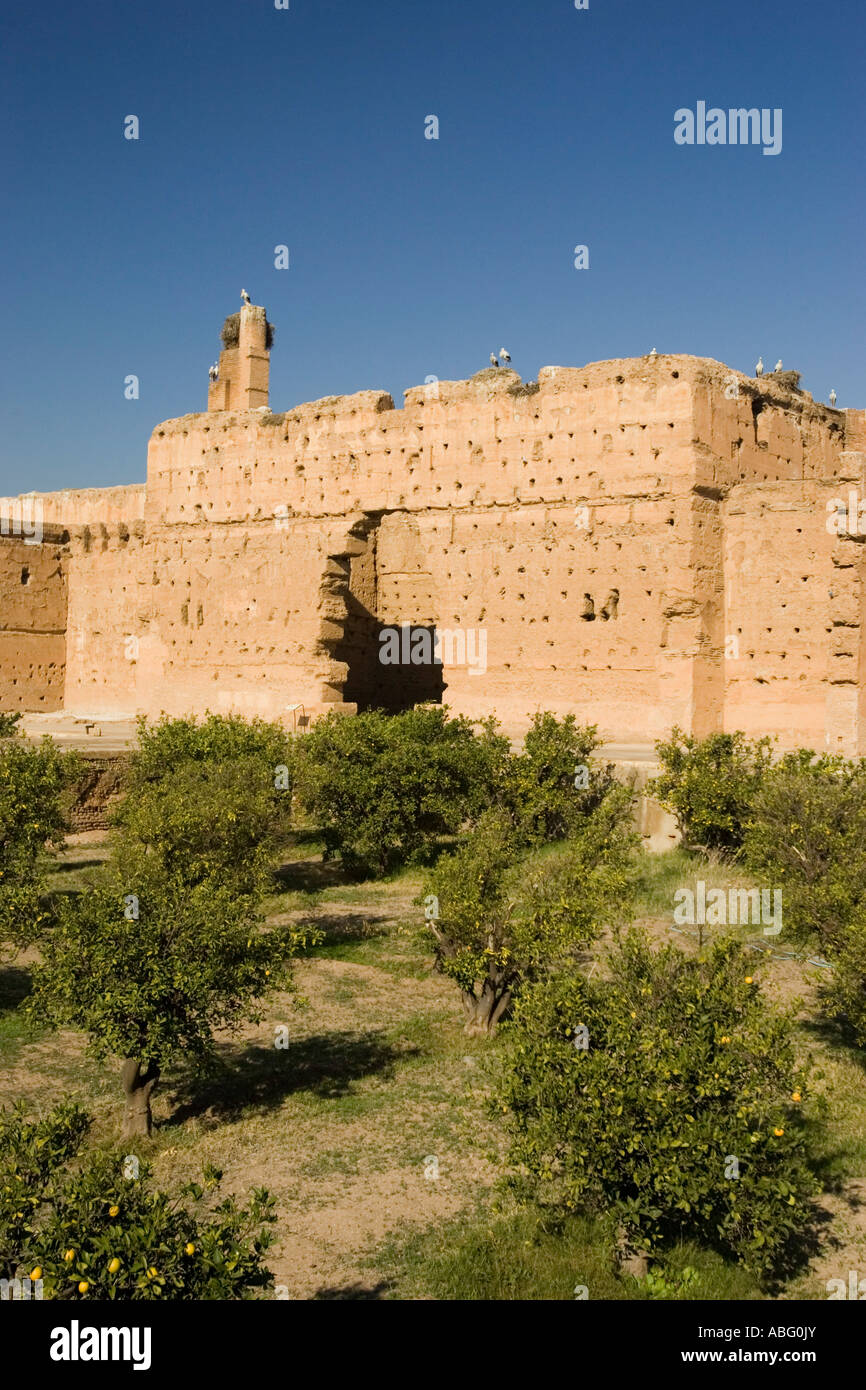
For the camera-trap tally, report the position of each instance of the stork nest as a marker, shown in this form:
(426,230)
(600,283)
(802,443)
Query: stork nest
(790,380)
(231,332)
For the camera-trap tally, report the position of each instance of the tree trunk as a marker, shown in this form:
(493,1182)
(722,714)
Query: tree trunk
(484,1010)
(138,1084)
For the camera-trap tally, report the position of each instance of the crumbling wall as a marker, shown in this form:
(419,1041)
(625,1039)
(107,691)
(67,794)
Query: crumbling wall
(500,506)
(792,601)
(641,542)
(99,788)
(33,599)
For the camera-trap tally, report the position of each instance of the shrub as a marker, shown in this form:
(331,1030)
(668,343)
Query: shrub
(709,785)
(807,832)
(208,800)
(8,723)
(542,788)
(387,788)
(150,964)
(205,821)
(844,993)
(98,1230)
(33,781)
(165,744)
(499,919)
(683,1069)
(31,1152)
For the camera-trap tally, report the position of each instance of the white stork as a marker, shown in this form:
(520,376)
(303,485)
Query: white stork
(493,361)
(833,399)
(759,367)
(245,297)
(504,355)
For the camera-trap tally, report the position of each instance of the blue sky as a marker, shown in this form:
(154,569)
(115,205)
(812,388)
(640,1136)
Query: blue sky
(410,257)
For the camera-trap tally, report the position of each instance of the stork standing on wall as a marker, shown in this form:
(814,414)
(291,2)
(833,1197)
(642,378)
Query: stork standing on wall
(493,361)
(759,367)
(833,398)
(245,297)
(504,355)
(213,371)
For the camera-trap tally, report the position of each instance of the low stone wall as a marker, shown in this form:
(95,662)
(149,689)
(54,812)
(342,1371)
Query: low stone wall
(99,788)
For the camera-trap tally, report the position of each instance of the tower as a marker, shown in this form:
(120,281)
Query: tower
(244,363)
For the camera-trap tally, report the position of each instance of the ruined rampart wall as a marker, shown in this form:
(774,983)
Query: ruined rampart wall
(268,551)
(769,461)
(494,507)
(33,592)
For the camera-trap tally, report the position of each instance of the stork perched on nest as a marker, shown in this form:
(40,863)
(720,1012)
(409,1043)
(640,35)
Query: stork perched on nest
(759,367)
(245,297)
(493,361)
(504,355)
(778,366)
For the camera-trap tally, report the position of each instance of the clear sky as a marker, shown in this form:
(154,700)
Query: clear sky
(410,257)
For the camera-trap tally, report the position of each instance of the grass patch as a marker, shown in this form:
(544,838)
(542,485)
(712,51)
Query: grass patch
(518,1258)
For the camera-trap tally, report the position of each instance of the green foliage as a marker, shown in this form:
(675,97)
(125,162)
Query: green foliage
(167,946)
(91,1230)
(218,738)
(8,723)
(686,1067)
(204,822)
(31,1152)
(807,834)
(192,960)
(386,788)
(844,993)
(207,801)
(499,918)
(658,1285)
(709,785)
(540,788)
(33,781)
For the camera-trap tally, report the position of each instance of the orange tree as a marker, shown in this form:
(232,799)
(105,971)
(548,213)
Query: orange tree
(710,784)
(149,964)
(667,1096)
(500,916)
(168,945)
(386,788)
(32,822)
(91,1226)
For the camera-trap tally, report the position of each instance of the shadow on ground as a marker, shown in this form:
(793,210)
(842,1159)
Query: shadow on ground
(15,984)
(339,928)
(259,1078)
(353,1292)
(312,875)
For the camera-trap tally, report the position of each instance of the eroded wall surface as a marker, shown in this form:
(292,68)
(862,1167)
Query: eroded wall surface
(642,542)
(33,593)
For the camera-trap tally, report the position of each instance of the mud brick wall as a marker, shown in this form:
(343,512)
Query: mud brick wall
(33,606)
(99,788)
(642,542)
